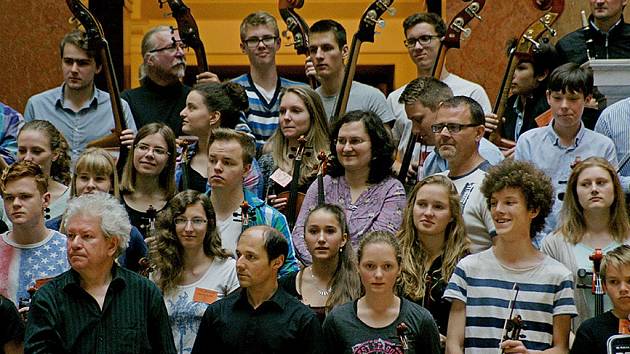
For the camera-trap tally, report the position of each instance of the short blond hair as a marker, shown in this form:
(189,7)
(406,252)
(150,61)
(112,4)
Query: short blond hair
(616,258)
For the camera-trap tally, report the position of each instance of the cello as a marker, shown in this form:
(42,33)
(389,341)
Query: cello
(365,33)
(527,43)
(95,38)
(298,28)
(451,39)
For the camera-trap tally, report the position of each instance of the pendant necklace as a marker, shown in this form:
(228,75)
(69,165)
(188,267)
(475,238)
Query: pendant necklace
(321,292)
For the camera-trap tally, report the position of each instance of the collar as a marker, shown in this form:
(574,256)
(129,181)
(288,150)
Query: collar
(95,99)
(591,21)
(72,280)
(553,136)
(278,300)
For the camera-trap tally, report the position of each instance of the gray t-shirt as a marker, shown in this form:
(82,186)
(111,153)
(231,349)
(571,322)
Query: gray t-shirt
(363,97)
(344,332)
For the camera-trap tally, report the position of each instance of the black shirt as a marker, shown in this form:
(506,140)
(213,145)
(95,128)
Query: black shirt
(11,325)
(64,318)
(281,324)
(154,103)
(287,283)
(593,334)
(614,44)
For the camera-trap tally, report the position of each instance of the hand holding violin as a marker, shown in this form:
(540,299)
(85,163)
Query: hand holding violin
(207,77)
(513,346)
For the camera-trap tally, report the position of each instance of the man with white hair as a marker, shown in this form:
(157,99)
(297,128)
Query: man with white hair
(97,306)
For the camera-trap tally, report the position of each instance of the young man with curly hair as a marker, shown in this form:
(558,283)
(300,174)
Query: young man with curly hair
(519,197)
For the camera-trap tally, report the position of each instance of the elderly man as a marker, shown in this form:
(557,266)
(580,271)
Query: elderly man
(260,317)
(162,95)
(97,306)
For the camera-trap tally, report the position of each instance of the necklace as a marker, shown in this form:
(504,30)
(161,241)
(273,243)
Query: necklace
(321,292)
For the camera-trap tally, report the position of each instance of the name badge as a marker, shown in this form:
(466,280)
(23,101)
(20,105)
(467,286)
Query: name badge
(281,177)
(205,295)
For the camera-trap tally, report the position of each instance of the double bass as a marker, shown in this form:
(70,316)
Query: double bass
(95,38)
(298,28)
(525,46)
(451,39)
(367,27)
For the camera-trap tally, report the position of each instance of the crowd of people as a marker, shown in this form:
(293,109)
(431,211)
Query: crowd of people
(247,218)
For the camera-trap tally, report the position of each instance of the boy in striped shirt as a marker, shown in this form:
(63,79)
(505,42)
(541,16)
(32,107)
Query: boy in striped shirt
(519,198)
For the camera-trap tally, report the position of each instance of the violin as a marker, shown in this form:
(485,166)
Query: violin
(247,213)
(95,38)
(294,203)
(188,30)
(513,325)
(185,142)
(146,267)
(321,172)
(596,283)
(524,47)
(26,302)
(401,333)
(367,26)
(298,28)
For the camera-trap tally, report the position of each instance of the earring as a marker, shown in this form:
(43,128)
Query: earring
(46,213)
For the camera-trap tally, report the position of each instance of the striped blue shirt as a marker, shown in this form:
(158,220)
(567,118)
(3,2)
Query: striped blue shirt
(485,286)
(262,117)
(614,122)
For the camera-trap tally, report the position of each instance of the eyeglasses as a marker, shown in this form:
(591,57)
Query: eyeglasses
(157,151)
(351,141)
(172,48)
(196,222)
(255,41)
(423,40)
(451,127)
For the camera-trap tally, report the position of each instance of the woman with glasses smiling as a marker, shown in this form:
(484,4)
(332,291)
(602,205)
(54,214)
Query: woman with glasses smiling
(148,177)
(191,268)
(359,180)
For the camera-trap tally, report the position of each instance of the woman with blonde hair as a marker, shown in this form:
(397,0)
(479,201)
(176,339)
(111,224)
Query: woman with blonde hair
(191,267)
(432,241)
(95,171)
(148,180)
(40,142)
(593,216)
(301,114)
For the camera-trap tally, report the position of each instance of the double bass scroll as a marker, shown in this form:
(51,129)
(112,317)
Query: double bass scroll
(524,47)
(298,28)
(188,30)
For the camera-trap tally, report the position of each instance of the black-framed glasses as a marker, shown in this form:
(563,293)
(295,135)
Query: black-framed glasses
(451,127)
(253,42)
(423,40)
(172,48)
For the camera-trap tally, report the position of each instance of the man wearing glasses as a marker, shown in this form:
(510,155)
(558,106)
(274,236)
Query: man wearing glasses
(79,110)
(458,129)
(423,34)
(162,95)
(260,40)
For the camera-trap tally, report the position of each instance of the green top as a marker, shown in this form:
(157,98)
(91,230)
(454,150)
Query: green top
(64,318)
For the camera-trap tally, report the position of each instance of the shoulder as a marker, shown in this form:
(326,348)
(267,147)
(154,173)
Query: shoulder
(242,80)
(47,95)
(341,311)
(287,83)
(554,268)
(599,138)
(367,89)
(570,38)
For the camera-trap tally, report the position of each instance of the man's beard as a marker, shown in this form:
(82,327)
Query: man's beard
(174,74)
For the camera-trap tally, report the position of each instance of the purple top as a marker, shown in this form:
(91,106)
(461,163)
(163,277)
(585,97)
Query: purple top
(380,207)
